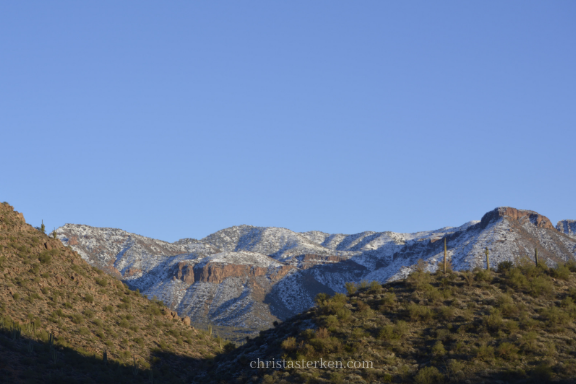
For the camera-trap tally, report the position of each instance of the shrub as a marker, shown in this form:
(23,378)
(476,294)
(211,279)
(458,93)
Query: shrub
(494,321)
(124,323)
(485,352)
(561,272)
(77,318)
(88,313)
(389,300)
(507,351)
(375,287)
(540,285)
(438,349)
(351,288)
(45,258)
(483,275)
(289,344)
(89,298)
(429,375)
(516,279)
(505,266)
(555,316)
(101,282)
(331,321)
(419,312)
(446,313)
(321,298)
(343,314)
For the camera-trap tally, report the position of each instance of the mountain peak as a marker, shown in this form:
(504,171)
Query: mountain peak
(516,214)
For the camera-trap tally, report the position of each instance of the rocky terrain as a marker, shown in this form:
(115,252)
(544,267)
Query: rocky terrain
(247,277)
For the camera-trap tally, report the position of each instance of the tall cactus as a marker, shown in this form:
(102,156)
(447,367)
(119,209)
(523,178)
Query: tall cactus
(536,255)
(487,252)
(445,251)
(105,357)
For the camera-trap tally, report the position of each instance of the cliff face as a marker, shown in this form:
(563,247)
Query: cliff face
(568,227)
(250,276)
(517,215)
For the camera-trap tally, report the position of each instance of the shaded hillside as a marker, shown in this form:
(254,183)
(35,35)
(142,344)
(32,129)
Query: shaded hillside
(247,277)
(515,325)
(49,295)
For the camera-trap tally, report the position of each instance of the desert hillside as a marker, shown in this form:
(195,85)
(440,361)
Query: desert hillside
(62,320)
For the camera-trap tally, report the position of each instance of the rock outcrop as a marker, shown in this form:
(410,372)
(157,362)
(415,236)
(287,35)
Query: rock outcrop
(568,227)
(518,215)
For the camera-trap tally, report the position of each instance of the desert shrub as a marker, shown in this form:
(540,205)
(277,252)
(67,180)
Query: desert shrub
(84,331)
(446,313)
(45,258)
(483,275)
(528,341)
(351,288)
(393,332)
(493,322)
(516,279)
(571,265)
(343,314)
(88,313)
(339,298)
(419,312)
(77,318)
(485,352)
(375,287)
(388,300)
(124,323)
(419,280)
(507,351)
(438,349)
(540,286)
(561,272)
(289,344)
(468,277)
(431,293)
(89,298)
(505,266)
(429,375)
(108,308)
(331,321)
(101,282)
(555,316)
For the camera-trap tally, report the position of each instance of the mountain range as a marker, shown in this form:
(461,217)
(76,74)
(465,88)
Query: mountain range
(247,277)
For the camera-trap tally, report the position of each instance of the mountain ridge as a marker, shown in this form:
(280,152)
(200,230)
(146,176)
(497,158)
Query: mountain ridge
(276,273)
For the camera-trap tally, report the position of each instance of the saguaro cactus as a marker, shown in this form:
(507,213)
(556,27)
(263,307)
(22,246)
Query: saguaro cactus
(487,252)
(445,251)
(536,255)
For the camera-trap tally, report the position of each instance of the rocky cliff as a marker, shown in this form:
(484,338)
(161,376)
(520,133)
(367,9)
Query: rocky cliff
(568,227)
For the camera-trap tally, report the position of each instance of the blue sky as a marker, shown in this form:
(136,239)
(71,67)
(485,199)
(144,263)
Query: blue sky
(177,119)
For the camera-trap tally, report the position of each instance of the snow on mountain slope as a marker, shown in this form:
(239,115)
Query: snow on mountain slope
(248,276)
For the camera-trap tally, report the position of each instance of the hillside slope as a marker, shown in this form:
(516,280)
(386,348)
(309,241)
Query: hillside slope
(516,325)
(59,316)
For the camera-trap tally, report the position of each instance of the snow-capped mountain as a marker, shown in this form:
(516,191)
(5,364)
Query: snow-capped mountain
(247,276)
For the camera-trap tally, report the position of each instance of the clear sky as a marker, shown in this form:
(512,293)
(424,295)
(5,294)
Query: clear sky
(177,119)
